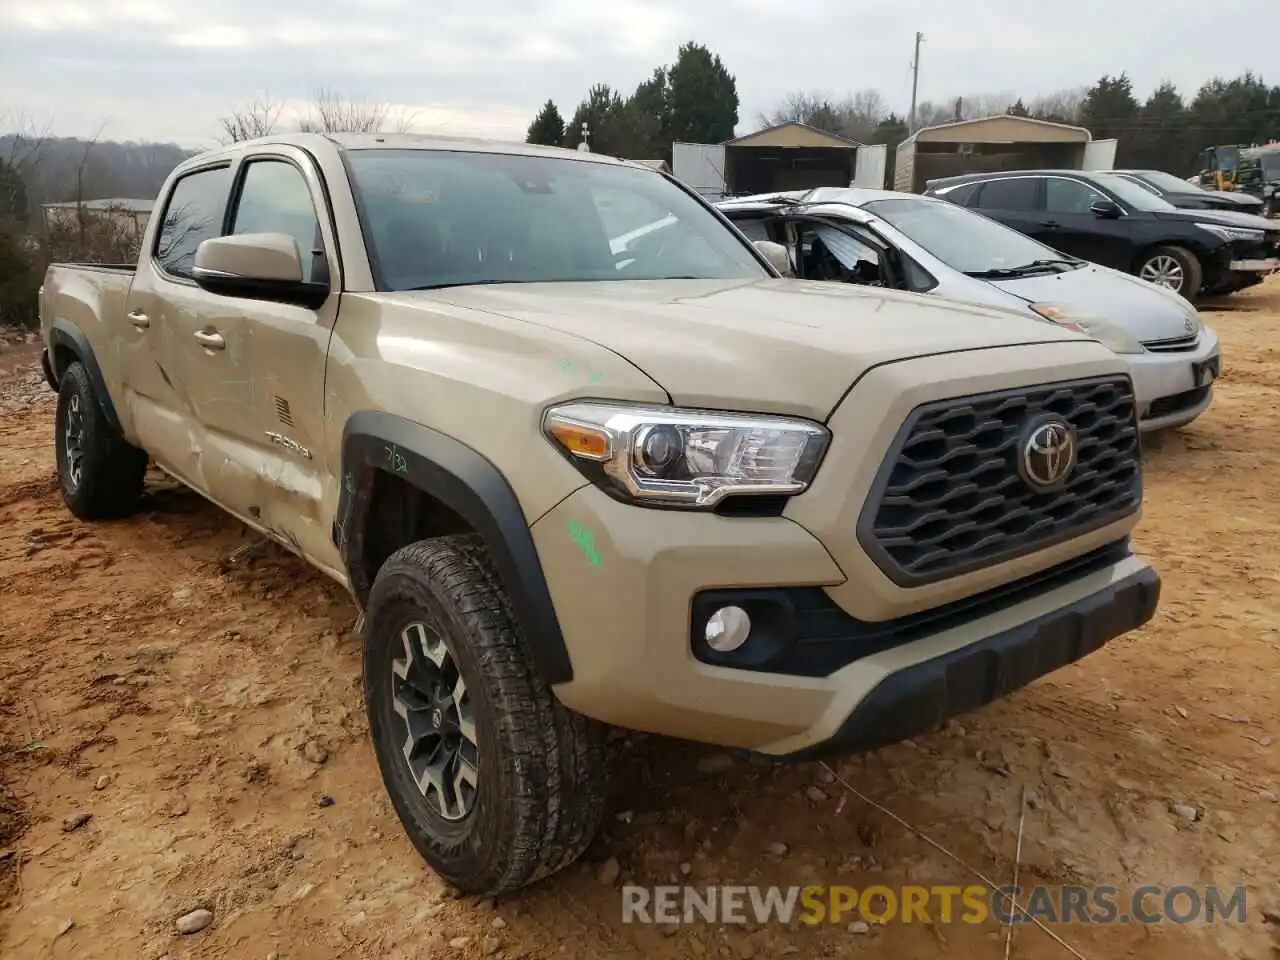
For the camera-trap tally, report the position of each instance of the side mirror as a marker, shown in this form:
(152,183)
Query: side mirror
(256,266)
(777,256)
(1107,209)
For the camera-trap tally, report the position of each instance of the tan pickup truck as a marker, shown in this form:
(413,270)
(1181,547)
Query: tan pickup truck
(577,469)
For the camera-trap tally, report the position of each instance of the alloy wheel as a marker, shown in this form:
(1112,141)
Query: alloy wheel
(432,712)
(73,440)
(1164,271)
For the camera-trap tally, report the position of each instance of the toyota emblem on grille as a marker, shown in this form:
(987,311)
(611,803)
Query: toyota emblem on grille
(1048,454)
(1190,325)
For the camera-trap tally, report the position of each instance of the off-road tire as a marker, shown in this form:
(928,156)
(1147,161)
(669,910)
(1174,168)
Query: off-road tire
(541,768)
(111,470)
(1192,271)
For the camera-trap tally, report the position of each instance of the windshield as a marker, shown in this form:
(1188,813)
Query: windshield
(960,238)
(1227,158)
(1131,194)
(1271,166)
(435,218)
(1166,181)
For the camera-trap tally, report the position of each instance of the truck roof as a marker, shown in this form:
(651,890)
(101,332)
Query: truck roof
(413,141)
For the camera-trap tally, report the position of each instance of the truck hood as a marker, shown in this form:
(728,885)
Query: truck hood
(772,346)
(1140,308)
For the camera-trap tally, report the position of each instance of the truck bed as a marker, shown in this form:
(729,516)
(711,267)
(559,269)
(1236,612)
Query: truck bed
(84,300)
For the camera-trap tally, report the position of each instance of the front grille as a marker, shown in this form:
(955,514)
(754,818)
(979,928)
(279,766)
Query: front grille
(949,498)
(1173,344)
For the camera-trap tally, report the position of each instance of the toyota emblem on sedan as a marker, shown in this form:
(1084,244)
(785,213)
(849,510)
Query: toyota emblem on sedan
(1048,454)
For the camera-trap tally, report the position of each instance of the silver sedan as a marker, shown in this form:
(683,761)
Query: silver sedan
(902,240)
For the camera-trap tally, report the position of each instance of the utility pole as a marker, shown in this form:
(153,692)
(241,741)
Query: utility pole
(915,82)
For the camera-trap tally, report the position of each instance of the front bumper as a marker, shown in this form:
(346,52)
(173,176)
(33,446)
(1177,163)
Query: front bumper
(919,698)
(1174,388)
(1266,267)
(629,609)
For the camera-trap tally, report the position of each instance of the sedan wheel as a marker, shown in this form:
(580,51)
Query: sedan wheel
(1173,268)
(1163,271)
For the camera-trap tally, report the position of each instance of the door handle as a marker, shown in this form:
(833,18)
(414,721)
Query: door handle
(1052,224)
(139,319)
(210,341)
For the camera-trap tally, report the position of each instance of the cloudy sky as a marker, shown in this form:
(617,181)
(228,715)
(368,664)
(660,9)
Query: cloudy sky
(167,69)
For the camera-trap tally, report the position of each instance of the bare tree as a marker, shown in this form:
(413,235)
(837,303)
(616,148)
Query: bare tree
(1064,105)
(26,140)
(334,113)
(855,116)
(260,119)
(82,215)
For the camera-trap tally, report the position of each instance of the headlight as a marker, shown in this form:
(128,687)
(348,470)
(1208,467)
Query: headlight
(686,458)
(1109,335)
(1232,233)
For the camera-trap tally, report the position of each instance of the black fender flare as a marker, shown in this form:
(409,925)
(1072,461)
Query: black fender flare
(63,333)
(470,485)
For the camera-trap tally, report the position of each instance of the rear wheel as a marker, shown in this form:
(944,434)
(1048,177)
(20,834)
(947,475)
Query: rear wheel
(1174,268)
(496,783)
(100,473)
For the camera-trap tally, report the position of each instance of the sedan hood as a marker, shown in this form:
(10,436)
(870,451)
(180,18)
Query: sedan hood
(773,346)
(1141,309)
(1228,218)
(1239,199)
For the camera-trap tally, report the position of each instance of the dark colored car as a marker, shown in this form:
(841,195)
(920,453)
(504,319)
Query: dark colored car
(1189,196)
(1110,220)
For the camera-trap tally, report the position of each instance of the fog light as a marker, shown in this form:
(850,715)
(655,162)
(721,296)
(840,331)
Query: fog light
(727,629)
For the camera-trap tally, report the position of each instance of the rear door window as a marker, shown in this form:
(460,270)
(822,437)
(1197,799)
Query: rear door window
(193,214)
(1014,194)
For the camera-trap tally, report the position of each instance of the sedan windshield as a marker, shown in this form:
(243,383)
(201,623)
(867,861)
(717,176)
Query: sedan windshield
(436,218)
(1167,181)
(960,238)
(1130,194)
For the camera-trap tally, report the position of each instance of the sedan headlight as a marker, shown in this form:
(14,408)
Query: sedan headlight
(1109,335)
(1232,233)
(666,456)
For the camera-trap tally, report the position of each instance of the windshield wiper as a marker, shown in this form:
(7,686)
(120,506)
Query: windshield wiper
(1035,266)
(457,283)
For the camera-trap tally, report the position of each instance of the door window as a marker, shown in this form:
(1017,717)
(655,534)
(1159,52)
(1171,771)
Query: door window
(275,198)
(193,215)
(1014,194)
(1069,196)
(826,253)
(754,228)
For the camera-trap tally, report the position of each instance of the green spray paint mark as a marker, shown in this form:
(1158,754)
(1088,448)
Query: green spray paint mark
(586,541)
(569,365)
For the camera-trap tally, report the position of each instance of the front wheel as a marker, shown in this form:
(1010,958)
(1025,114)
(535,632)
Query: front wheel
(496,783)
(1174,268)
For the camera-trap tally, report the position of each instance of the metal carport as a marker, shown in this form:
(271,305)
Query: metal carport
(996,143)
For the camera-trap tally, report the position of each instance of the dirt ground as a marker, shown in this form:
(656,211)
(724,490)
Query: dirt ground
(197,697)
